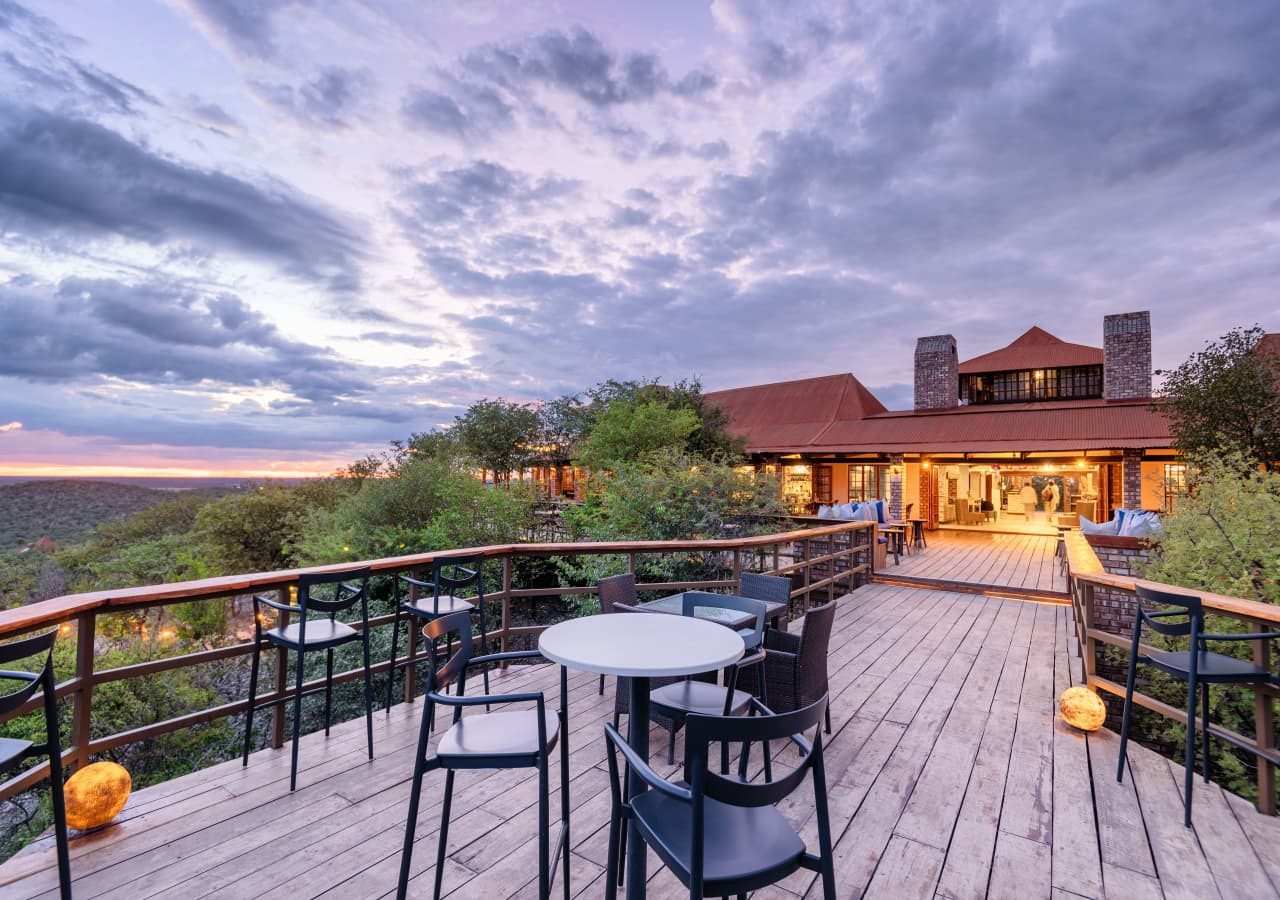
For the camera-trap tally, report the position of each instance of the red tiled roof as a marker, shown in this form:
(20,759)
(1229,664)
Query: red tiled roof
(1035,349)
(793,413)
(1063,425)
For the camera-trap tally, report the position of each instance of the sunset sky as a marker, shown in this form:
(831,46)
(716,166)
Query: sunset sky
(273,235)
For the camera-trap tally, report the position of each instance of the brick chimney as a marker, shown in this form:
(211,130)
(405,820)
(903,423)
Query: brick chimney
(937,372)
(1126,356)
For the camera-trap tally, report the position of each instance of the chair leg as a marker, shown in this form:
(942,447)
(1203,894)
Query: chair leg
(253,695)
(391,671)
(671,745)
(611,860)
(544,828)
(368,693)
(444,830)
(601,691)
(565,843)
(827,714)
(1204,728)
(1189,762)
(328,689)
(55,786)
(419,769)
(1127,716)
(297,721)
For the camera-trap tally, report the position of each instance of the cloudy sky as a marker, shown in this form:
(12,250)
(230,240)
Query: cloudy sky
(251,235)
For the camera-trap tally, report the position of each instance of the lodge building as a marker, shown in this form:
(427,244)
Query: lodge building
(1008,437)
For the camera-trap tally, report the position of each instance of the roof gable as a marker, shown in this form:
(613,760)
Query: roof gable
(1034,349)
(794,413)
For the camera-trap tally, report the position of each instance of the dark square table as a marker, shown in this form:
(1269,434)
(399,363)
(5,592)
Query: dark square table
(775,613)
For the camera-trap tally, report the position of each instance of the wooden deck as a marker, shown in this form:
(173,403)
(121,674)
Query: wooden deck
(1021,562)
(949,775)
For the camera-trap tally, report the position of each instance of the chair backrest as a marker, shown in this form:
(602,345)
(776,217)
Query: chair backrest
(30,681)
(694,599)
(458,572)
(617,590)
(770,588)
(910,506)
(455,625)
(1192,625)
(702,731)
(346,593)
(816,638)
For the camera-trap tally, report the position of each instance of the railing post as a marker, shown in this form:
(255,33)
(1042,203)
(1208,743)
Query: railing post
(82,703)
(776,561)
(506,603)
(1264,717)
(282,676)
(631,563)
(737,569)
(1089,648)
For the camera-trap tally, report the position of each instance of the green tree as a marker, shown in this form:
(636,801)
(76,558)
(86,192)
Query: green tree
(500,436)
(1224,535)
(254,530)
(1226,396)
(711,437)
(431,503)
(627,430)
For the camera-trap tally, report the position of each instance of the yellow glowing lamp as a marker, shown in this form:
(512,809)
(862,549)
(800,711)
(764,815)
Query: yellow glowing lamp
(1082,708)
(95,795)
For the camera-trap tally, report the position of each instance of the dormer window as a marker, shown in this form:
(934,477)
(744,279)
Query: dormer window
(1021,386)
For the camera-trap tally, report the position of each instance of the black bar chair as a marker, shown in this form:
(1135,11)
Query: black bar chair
(689,695)
(1198,666)
(14,751)
(448,576)
(310,633)
(498,740)
(721,834)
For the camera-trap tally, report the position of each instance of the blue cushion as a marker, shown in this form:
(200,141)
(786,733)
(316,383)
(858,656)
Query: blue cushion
(1090,527)
(1140,523)
(824,511)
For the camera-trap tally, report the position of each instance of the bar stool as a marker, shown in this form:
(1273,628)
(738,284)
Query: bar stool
(13,751)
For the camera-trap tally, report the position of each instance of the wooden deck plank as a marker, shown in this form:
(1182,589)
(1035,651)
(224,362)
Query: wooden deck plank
(948,775)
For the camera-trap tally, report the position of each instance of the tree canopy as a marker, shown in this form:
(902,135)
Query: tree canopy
(1226,397)
(499,435)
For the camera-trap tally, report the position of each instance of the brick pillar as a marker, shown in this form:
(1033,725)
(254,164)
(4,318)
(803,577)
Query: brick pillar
(1126,356)
(1132,466)
(928,498)
(895,487)
(937,373)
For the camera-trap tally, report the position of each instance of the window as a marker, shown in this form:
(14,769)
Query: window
(868,482)
(822,484)
(1175,484)
(1069,383)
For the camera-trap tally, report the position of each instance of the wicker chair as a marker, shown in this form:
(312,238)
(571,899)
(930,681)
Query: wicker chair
(795,665)
(614,591)
(769,588)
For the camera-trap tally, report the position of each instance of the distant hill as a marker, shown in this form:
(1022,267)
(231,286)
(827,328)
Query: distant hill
(66,510)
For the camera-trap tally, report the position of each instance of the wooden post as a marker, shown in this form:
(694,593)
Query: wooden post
(1264,717)
(1089,650)
(631,563)
(506,603)
(82,703)
(776,565)
(737,570)
(282,675)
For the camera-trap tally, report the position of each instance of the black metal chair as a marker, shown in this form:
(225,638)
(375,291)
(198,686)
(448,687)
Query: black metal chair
(721,834)
(769,588)
(499,740)
(1197,666)
(448,576)
(14,751)
(615,591)
(688,695)
(310,633)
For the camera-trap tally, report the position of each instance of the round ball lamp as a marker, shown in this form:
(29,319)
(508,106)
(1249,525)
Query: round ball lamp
(1082,708)
(95,794)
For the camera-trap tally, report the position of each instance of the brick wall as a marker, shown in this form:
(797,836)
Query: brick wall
(937,373)
(1131,467)
(1126,356)
(895,487)
(1113,610)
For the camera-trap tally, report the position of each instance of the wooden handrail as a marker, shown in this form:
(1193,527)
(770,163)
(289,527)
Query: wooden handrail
(84,610)
(1086,574)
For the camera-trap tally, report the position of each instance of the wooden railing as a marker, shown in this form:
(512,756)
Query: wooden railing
(1089,582)
(828,560)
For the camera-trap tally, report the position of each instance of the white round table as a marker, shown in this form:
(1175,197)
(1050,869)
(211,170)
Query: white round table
(640,646)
